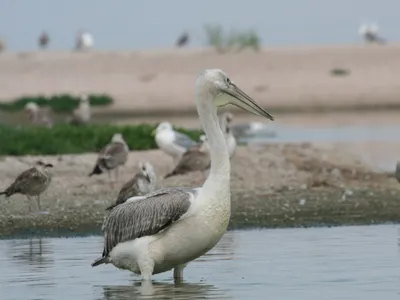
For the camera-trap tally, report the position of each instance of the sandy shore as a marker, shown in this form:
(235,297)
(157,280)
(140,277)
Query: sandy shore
(272,185)
(279,78)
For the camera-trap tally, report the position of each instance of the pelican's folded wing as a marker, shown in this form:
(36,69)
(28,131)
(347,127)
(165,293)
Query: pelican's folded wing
(145,216)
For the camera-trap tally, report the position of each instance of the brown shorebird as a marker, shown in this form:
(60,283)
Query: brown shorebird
(43,40)
(112,156)
(196,158)
(182,40)
(142,183)
(31,182)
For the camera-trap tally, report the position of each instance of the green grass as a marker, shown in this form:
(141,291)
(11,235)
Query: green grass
(65,139)
(58,103)
(224,42)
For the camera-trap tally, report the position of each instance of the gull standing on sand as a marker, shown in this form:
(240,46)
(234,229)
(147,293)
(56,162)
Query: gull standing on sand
(112,156)
(142,183)
(173,143)
(225,121)
(168,228)
(37,115)
(84,40)
(196,158)
(370,33)
(31,182)
(82,113)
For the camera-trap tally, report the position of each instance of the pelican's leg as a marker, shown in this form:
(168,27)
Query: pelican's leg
(146,267)
(178,273)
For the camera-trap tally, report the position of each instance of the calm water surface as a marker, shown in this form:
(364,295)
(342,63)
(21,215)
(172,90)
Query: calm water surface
(322,263)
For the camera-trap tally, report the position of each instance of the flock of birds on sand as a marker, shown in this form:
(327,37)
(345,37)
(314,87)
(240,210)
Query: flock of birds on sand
(150,231)
(85,41)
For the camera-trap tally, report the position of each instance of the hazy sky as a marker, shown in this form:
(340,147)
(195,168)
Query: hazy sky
(139,24)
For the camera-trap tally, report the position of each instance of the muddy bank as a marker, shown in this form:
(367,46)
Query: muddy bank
(272,186)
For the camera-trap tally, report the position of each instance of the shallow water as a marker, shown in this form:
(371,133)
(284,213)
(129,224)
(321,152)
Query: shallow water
(319,263)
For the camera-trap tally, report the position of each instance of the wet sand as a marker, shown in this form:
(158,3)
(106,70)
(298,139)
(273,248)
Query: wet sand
(272,186)
(291,78)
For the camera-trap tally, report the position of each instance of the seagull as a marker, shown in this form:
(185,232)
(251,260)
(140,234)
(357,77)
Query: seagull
(370,33)
(84,40)
(141,184)
(196,158)
(112,156)
(31,182)
(37,115)
(173,143)
(170,227)
(225,121)
(82,114)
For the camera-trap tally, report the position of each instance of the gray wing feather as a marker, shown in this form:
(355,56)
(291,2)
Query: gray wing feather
(113,155)
(183,140)
(146,216)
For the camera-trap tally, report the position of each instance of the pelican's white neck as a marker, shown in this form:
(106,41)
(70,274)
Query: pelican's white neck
(220,164)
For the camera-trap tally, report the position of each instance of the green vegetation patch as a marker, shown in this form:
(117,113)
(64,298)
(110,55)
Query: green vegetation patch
(58,103)
(224,42)
(66,139)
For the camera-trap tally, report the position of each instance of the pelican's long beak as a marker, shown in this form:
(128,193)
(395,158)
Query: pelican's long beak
(244,101)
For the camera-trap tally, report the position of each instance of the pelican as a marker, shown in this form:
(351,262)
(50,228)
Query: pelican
(196,158)
(170,227)
(173,143)
(37,116)
(31,182)
(112,156)
(142,183)
(397,171)
(225,121)
(82,114)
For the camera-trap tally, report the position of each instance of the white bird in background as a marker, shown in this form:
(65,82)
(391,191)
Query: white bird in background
(170,227)
(370,33)
(84,40)
(37,115)
(82,113)
(173,143)
(225,121)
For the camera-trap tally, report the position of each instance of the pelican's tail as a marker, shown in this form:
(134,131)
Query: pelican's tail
(96,170)
(100,261)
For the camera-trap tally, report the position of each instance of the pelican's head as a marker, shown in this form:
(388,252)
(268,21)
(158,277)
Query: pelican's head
(31,107)
(146,169)
(216,83)
(163,126)
(117,138)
